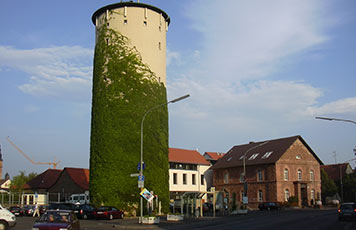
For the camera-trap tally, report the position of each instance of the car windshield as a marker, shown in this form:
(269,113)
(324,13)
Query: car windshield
(55,217)
(347,206)
(103,209)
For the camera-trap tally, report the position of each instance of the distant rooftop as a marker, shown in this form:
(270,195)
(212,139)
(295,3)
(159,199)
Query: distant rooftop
(186,156)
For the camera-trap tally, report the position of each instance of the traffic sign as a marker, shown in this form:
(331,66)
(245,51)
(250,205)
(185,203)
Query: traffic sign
(141,178)
(134,175)
(141,184)
(139,166)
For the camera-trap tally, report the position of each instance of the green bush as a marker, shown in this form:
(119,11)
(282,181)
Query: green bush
(124,88)
(293,201)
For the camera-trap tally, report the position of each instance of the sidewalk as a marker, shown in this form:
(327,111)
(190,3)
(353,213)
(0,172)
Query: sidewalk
(132,223)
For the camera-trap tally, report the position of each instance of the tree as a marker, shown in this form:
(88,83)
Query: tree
(349,187)
(18,182)
(328,187)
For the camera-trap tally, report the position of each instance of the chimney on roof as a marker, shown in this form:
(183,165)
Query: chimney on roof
(251,142)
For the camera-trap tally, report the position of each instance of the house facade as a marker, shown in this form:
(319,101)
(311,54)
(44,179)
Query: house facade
(71,181)
(187,169)
(54,185)
(275,171)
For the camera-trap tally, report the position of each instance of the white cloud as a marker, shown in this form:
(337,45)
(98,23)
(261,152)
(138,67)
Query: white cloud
(31,108)
(342,106)
(57,71)
(253,39)
(172,57)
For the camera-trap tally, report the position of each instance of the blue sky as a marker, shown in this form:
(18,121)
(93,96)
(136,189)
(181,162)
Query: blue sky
(255,70)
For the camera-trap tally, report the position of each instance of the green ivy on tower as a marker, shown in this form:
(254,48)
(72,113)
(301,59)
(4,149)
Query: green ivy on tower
(124,88)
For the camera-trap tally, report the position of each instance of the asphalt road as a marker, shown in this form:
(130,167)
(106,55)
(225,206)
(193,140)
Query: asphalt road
(287,219)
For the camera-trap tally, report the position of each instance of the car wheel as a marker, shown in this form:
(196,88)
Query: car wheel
(3,225)
(85,217)
(111,217)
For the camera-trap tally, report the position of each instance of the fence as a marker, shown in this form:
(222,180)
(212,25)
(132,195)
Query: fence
(21,198)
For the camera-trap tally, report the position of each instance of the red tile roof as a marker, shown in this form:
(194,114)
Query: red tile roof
(45,180)
(79,176)
(335,171)
(214,155)
(186,156)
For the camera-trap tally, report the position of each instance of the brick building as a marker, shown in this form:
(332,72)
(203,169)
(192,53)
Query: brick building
(275,170)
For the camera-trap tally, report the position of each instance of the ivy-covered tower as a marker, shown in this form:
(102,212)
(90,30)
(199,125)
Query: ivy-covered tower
(129,78)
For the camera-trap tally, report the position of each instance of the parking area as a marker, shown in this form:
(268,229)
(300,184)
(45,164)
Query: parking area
(25,223)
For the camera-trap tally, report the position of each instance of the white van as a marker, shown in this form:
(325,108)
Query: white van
(7,219)
(81,198)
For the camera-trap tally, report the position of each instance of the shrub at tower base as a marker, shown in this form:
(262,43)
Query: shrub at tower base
(123,90)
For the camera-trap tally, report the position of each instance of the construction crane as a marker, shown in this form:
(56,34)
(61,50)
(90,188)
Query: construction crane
(54,163)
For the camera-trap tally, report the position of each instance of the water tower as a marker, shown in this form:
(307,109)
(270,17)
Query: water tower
(129,77)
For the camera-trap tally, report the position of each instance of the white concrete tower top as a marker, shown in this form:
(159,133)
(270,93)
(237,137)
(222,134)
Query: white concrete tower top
(144,25)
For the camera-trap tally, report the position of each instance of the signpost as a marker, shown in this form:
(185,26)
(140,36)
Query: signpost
(141,181)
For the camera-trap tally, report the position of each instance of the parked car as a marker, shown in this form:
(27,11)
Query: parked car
(16,210)
(7,219)
(85,211)
(81,198)
(109,212)
(28,210)
(347,211)
(42,209)
(57,220)
(61,206)
(269,206)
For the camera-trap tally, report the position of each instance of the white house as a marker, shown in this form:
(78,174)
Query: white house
(187,173)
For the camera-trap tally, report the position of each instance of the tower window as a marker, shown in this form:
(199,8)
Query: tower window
(159,45)
(125,21)
(145,23)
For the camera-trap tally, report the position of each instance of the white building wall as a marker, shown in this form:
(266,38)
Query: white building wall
(188,187)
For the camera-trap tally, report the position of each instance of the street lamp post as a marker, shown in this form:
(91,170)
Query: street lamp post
(244,165)
(141,155)
(335,119)
(344,120)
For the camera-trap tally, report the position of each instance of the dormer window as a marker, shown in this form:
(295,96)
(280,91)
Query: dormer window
(253,156)
(229,159)
(267,154)
(242,157)
(298,157)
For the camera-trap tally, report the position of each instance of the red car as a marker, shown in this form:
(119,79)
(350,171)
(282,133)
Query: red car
(109,212)
(57,220)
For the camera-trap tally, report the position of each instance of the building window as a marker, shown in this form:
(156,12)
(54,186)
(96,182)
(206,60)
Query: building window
(286,174)
(125,21)
(266,155)
(145,23)
(184,178)
(312,195)
(226,178)
(299,174)
(242,177)
(259,175)
(253,156)
(260,196)
(286,195)
(174,178)
(193,179)
(159,45)
(311,175)
(202,179)
(241,195)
